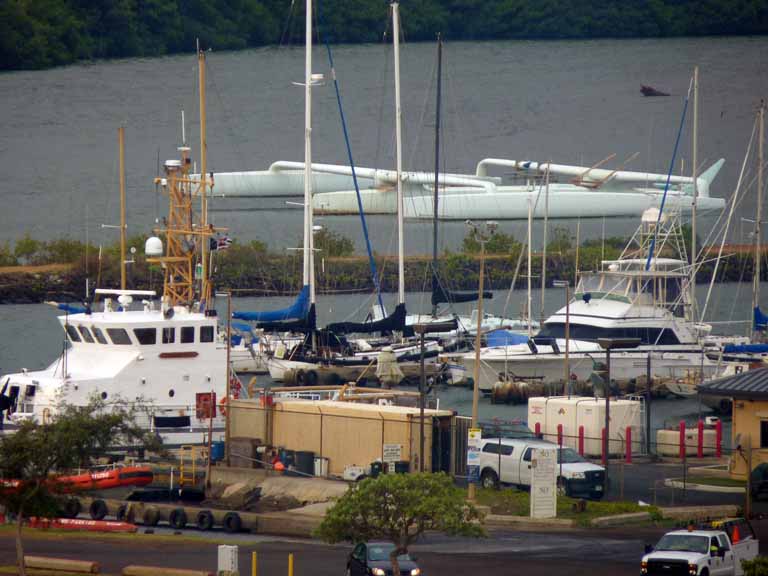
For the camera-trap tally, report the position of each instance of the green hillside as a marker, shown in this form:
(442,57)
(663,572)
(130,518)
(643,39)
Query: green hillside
(45,33)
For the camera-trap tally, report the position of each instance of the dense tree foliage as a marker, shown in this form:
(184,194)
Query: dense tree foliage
(44,33)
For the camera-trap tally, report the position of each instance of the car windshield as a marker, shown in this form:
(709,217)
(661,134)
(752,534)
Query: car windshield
(380,552)
(569,456)
(684,543)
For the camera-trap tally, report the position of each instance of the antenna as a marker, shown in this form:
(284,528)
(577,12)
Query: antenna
(183,130)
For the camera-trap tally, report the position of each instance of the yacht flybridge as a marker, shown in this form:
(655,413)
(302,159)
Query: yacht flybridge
(632,297)
(166,359)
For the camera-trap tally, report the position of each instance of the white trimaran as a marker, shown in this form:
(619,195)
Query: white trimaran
(169,360)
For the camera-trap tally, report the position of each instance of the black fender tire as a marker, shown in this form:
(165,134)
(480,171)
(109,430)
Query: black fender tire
(312,378)
(178,518)
(98,509)
(71,508)
(204,520)
(151,516)
(125,513)
(335,379)
(232,522)
(704,572)
(489,479)
(301,378)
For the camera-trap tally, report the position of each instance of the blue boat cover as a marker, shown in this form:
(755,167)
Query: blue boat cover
(745,348)
(296,311)
(505,338)
(760,320)
(71,308)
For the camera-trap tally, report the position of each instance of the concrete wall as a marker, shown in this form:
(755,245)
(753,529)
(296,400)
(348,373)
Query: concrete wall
(248,420)
(747,415)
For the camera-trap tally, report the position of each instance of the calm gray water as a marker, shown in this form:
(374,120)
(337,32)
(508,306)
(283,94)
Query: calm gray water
(568,101)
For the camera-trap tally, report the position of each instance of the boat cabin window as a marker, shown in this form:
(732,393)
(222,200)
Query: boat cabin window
(86,334)
(206,333)
(187,334)
(119,336)
(145,336)
(99,335)
(592,333)
(169,335)
(72,333)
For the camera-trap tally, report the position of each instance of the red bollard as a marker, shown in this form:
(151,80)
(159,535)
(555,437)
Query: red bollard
(537,429)
(682,439)
(719,438)
(603,448)
(560,435)
(581,440)
(700,440)
(629,444)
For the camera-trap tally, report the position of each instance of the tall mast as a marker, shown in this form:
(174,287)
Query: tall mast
(544,250)
(121,141)
(437,170)
(309,260)
(399,154)
(758,220)
(695,189)
(203,180)
(530,268)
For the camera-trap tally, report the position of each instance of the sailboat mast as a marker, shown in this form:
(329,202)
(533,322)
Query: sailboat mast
(121,142)
(544,250)
(203,181)
(437,170)
(530,268)
(758,219)
(309,264)
(399,156)
(695,189)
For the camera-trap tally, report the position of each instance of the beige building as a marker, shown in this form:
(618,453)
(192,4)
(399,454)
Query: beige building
(351,433)
(748,393)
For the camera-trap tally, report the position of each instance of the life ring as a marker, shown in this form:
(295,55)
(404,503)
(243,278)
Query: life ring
(223,406)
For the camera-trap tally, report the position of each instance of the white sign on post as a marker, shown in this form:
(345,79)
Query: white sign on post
(544,483)
(474,443)
(392,453)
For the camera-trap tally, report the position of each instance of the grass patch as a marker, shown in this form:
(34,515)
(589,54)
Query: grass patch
(518,503)
(716,481)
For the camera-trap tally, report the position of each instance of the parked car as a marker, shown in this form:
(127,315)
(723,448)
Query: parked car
(372,559)
(701,552)
(508,461)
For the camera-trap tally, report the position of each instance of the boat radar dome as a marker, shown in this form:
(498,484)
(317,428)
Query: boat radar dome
(153,246)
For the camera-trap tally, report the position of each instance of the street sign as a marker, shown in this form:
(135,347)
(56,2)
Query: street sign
(544,483)
(474,442)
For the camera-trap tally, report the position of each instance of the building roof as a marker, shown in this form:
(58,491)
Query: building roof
(750,384)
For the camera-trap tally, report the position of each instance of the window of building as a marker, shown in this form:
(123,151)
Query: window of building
(87,336)
(187,334)
(119,336)
(206,333)
(99,335)
(145,336)
(169,335)
(72,333)
(763,433)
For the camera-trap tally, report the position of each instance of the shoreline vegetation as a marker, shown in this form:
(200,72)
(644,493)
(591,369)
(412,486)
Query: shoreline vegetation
(38,34)
(33,271)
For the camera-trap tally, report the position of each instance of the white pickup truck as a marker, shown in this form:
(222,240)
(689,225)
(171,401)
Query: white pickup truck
(702,552)
(508,461)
